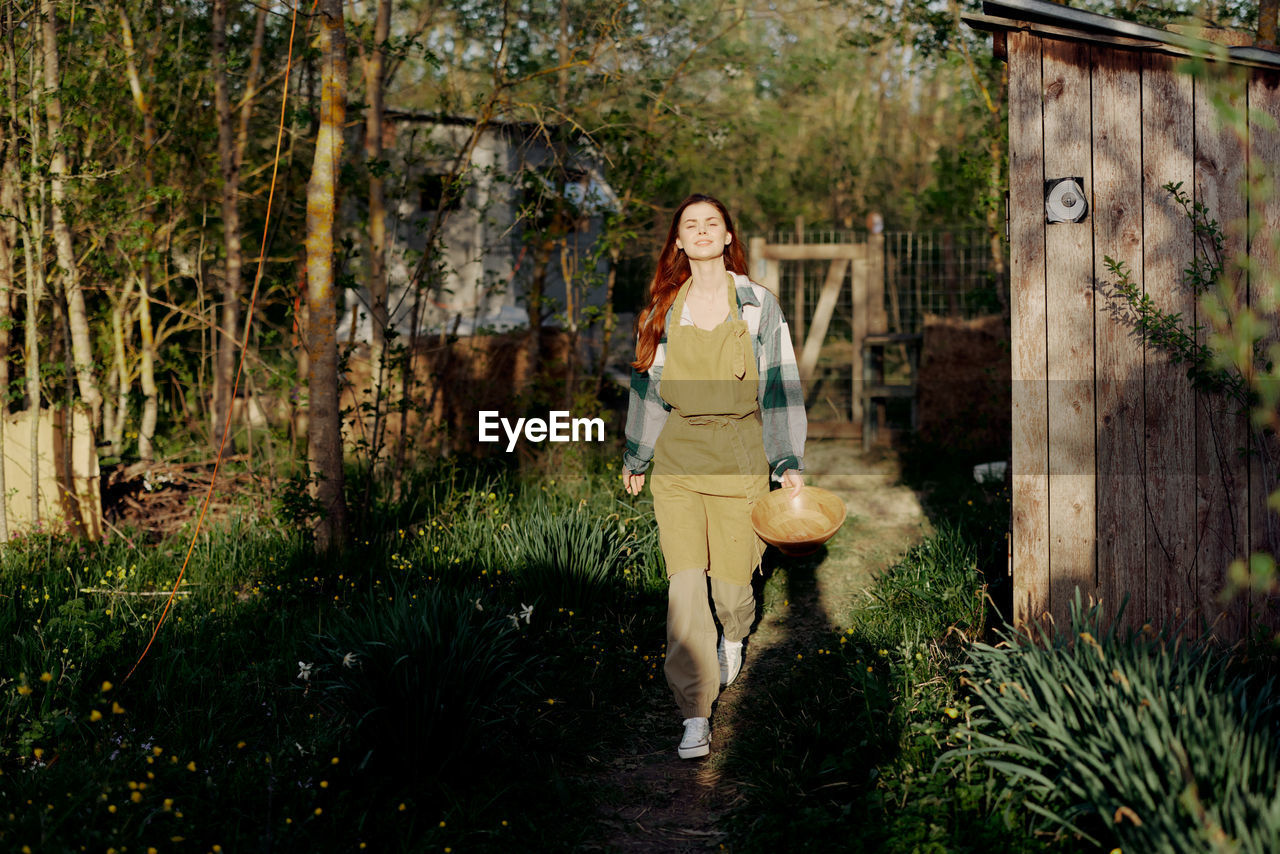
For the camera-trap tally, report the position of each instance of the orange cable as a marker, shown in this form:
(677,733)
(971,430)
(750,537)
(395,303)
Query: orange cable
(244,346)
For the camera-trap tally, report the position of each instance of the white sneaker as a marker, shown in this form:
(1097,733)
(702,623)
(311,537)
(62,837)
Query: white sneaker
(730,654)
(697,738)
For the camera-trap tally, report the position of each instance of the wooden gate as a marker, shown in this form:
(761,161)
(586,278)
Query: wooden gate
(853,268)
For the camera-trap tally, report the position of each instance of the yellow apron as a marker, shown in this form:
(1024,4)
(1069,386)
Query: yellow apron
(709,463)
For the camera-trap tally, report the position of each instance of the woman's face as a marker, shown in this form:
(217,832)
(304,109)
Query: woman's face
(702,232)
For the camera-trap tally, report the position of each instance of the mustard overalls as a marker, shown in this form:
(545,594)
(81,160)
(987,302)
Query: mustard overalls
(709,468)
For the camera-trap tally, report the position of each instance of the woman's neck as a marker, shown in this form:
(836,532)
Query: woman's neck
(708,276)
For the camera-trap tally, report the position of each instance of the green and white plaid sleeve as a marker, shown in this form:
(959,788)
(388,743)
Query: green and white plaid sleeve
(646,414)
(781,394)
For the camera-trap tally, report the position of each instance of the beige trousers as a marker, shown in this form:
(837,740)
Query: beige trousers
(692,666)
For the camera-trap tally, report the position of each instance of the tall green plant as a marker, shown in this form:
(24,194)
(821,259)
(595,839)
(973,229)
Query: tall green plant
(420,679)
(1149,741)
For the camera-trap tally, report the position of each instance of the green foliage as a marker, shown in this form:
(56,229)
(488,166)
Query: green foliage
(421,678)
(1168,331)
(420,720)
(1151,741)
(838,749)
(935,587)
(572,558)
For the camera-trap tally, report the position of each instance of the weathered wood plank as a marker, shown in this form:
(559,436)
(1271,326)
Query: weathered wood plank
(822,316)
(1221,469)
(1030,445)
(1117,233)
(1069,344)
(860,301)
(877,314)
(1264,202)
(1169,507)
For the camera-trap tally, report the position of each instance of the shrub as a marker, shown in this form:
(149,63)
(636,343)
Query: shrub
(571,559)
(421,679)
(1150,739)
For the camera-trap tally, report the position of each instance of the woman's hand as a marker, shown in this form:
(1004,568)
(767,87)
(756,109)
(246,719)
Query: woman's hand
(632,482)
(792,479)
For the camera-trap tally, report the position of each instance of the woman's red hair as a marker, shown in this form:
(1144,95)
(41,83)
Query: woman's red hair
(673,271)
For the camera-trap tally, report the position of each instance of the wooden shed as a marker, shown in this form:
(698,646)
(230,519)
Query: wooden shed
(1125,479)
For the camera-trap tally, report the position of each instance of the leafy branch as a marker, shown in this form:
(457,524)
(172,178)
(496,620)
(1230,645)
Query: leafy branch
(1168,331)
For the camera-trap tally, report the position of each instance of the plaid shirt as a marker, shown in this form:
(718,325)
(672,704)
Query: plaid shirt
(780,394)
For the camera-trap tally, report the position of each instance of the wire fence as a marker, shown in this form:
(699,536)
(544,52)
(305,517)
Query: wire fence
(948,273)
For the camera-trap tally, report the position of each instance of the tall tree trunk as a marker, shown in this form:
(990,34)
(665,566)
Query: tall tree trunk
(147,358)
(324,441)
(374,80)
(11,209)
(1267,10)
(147,370)
(34,258)
(77,316)
(224,361)
(7,208)
(114,421)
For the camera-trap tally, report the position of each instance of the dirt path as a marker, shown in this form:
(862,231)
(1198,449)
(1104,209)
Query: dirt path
(652,801)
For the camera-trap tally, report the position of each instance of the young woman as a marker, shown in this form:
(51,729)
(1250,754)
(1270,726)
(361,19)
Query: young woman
(716,405)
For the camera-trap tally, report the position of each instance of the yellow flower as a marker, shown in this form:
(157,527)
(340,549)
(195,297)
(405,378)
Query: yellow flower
(191,766)
(95,716)
(136,797)
(117,709)
(24,690)
(46,677)
(951,712)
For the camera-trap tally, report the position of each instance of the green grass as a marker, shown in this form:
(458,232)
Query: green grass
(840,752)
(435,686)
(402,695)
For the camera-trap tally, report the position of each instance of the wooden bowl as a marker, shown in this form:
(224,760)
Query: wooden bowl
(797,526)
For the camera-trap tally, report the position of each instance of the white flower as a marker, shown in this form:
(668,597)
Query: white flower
(350,660)
(526,611)
(515,621)
(479,607)
(304,671)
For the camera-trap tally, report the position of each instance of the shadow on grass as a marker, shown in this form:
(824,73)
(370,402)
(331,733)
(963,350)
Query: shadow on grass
(810,733)
(839,726)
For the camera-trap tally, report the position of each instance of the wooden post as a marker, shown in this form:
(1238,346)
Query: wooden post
(861,317)
(798,319)
(1169,434)
(1030,440)
(877,315)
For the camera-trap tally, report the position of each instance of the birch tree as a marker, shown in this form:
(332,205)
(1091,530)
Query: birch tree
(68,269)
(324,441)
(373,61)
